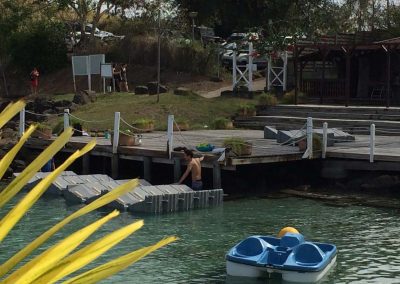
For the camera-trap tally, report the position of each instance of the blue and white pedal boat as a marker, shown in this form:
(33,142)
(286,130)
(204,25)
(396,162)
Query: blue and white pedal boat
(293,257)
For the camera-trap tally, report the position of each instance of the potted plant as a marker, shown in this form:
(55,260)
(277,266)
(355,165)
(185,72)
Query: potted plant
(181,124)
(238,146)
(43,131)
(223,123)
(126,138)
(144,125)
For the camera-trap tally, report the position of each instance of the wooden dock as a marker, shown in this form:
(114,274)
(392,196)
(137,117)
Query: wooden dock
(154,150)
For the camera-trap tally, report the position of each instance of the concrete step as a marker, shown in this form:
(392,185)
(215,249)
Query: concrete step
(354,126)
(367,110)
(333,115)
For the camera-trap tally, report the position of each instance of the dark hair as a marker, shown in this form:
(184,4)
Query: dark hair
(188,152)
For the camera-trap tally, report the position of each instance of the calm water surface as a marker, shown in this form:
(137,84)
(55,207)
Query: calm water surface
(367,238)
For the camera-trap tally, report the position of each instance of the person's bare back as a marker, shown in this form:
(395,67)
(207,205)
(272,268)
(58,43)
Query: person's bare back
(196,168)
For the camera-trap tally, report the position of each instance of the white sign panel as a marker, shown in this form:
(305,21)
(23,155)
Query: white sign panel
(80,65)
(95,61)
(106,70)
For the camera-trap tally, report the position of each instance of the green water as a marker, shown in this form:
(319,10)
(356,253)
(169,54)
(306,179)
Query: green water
(367,238)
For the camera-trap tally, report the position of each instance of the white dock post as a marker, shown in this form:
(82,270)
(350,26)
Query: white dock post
(117,117)
(310,137)
(324,139)
(21,122)
(170,134)
(66,118)
(372,143)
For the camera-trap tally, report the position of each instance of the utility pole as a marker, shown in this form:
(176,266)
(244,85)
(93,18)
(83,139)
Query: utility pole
(159,54)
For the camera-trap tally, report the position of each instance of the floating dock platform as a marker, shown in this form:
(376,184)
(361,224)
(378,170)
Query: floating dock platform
(145,198)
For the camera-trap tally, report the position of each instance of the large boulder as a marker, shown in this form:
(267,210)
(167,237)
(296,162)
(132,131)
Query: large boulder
(152,86)
(141,90)
(84,97)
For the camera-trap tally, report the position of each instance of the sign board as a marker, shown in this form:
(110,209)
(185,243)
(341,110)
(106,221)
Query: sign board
(95,61)
(106,70)
(80,66)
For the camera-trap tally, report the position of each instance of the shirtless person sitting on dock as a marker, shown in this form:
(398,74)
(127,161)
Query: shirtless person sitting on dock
(193,166)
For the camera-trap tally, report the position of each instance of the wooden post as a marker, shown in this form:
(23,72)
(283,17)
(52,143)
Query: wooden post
(170,135)
(372,143)
(117,117)
(177,169)
(250,66)
(86,164)
(324,139)
(234,71)
(114,166)
(21,122)
(66,118)
(322,87)
(147,168)
(296,85)
(348,76)
(216,175)
(269,68)
(388,77)
(285,60)
(310,137)
(89,73)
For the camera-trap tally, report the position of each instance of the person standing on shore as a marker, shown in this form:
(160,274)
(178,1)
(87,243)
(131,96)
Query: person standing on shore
(34,77)
(194,166)
(124,78)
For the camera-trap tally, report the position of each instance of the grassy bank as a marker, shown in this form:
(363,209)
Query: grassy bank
(199,112)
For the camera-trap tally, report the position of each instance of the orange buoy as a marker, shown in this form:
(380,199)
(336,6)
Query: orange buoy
(285,230)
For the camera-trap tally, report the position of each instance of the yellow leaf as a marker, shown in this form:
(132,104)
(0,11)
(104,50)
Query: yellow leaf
(18,183)
(48,259)
(10,111)
(9,157)
(8,222)
(106,270)
(84,256)
(105,199)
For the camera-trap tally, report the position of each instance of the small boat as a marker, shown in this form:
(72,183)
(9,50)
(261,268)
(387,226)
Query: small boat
(290,255)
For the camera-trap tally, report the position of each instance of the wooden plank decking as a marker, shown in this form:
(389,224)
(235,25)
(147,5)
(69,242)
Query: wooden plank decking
(154,145)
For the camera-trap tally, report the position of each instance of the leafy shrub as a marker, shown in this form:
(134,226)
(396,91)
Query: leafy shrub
(221,123)
(289,98)
(267,100)
(246,108)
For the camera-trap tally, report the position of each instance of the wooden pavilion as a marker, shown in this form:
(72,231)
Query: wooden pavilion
(360,68)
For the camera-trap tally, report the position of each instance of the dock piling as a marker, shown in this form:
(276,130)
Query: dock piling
(310,137)
(114,165)
(147,168)
(372,143)
(324,139)
(177,169)
(216,175)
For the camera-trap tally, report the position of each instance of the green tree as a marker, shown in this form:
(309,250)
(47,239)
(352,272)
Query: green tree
(41,45)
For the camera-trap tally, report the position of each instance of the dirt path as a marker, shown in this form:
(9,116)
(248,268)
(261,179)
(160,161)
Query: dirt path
(258,85)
